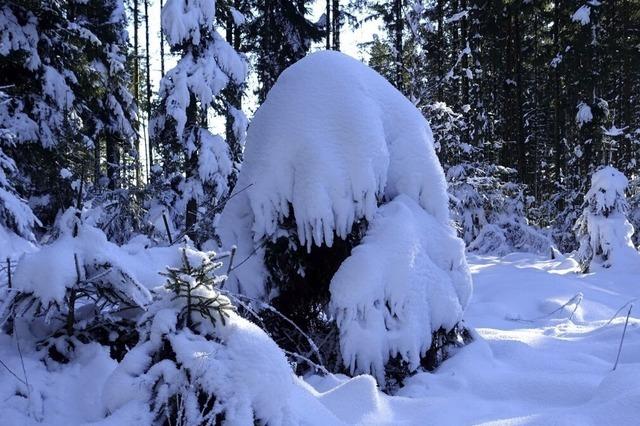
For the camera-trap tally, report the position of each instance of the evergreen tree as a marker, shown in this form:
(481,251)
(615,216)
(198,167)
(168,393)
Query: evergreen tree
(279,35)
(195,163)
(603,230)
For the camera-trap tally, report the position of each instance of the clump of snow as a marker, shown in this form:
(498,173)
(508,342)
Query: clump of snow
(49,272)
(603,230)
(332,140)
(184,20)
(407,279)
(582,15)
(584,114)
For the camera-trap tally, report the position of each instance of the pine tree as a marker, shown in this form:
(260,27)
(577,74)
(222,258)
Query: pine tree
(195,162)
(279,35)
(603,230)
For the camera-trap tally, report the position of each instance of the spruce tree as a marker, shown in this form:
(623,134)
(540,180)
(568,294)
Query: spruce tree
(280,34)
(195,162)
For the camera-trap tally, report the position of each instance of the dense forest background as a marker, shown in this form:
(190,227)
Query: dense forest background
(526,100)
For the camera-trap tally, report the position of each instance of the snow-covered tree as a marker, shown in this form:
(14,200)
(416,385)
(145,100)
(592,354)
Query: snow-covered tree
(37,106)
(340,178)
(70,105)
(603,230)
(195,162)
(198,362)
(72,290)
(489,209)
(279,34)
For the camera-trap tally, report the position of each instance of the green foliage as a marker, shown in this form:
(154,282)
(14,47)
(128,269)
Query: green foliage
(194,285)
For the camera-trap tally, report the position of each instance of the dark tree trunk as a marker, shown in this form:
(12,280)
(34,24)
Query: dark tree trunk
(335,19)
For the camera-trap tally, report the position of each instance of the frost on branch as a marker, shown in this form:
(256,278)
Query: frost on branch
(336,154)
(603,230)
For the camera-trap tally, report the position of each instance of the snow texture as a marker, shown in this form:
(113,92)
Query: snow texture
(407,279)
(332,139)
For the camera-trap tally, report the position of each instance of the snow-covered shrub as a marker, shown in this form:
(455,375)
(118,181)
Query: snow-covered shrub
(198,362)
(74,289)
(488,208)
(603,230)
(332,143)
(406,281)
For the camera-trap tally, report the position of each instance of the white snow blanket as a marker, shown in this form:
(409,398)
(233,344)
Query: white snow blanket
(554,370)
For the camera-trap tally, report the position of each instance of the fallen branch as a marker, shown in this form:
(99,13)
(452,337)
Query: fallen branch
(624,331)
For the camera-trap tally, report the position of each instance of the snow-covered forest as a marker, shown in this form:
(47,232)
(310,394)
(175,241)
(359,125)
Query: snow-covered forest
(247,226)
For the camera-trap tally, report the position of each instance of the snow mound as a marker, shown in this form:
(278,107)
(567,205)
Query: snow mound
(332,139)
(408,278)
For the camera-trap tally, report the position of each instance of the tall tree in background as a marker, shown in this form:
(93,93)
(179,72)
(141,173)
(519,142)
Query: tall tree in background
(196,163)
(279,34)
(233,13)
(545,87)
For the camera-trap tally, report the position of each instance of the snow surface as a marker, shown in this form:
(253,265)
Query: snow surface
(330,149)
(547,370)
(405,280)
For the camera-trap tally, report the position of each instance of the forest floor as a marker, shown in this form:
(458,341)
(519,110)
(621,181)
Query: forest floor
(533,361)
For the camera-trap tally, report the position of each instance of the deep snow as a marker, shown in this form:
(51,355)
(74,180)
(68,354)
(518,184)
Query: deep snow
(550,370)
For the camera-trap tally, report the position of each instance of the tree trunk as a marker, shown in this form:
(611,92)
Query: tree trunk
(136,80)
(191,166)
(397,42)
(335,19)
(148,69)
(328,25)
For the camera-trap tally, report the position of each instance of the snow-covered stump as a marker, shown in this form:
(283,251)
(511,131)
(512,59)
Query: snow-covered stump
(603,230)
(343,223)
